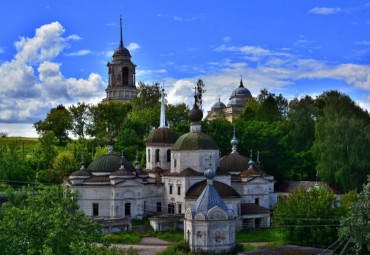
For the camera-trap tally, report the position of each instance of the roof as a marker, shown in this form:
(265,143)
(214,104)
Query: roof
(235,102)
(187,172)
(121,51)
(81,173)
(208,199)
(156,169)
(290,186)
(250,208)
(224,190)
(234,162)
(98,179)
(109,163)
(195,141)
(122,173)
(218,105)
(250,172)
(161,136)
(241,92)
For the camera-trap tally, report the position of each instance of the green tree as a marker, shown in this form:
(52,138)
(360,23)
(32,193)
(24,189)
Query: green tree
(308,217)
(79,114)
(45,221)
(342,141)
(272,108)
(128,141)
(64,164)
(42,157)
(58,120)
(199,93)
(221,131)
(146,96)
(357,223)
(107,118)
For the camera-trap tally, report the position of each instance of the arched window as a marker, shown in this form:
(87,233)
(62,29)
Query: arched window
(168,155)
(157,155)
(148,155)
(125,76)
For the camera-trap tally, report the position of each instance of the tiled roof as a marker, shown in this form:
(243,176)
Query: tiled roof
(250,208)
(187,172)
(234,162)
(289,186)
(224,190)
(98,179)
(109,163)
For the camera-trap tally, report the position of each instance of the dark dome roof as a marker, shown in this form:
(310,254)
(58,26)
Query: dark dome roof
(121,51)
(81,173)
(235,102)
(218,105)
(250,172)
(195,114)
(109,163)
(234,163)
(161,136)
(195,141)
(241,92)
(224,190)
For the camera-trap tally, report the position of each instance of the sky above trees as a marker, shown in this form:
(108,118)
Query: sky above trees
(56,52)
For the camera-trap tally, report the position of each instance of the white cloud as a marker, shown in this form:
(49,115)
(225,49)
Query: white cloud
(362,42)
(1,50)
(78,53)
(226,39)
(325,10)
(146,72)
(31,83)
(133,46)
(74,38)
(177,18)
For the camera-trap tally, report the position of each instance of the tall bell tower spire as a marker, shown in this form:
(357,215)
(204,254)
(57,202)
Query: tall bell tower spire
(120,21)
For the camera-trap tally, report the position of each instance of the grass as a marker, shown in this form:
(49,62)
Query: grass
(143,222)
(176,248)
(129,237)
(29,143)
(259,235)
(172,235)
(249,247)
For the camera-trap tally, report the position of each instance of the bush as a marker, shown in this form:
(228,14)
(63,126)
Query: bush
(177,248)
(129,237)
(172,235)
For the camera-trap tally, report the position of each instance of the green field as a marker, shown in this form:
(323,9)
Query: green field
(28,142)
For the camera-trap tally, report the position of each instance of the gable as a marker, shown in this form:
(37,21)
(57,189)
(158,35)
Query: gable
(129,183)
(258,180)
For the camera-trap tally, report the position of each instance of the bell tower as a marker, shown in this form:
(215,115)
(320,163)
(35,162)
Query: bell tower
(121,75)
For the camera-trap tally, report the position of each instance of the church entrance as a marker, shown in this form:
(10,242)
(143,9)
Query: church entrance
(127,209)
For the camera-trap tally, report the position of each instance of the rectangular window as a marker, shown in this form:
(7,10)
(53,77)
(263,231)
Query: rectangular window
(159,206)
(179,208)
(127,209)
(144,207)
(178,190)
(256,201)
(171,189)
(95,209)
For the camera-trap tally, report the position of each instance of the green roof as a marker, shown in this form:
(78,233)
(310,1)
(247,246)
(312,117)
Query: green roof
(195,141)
(161,136)
(109,163)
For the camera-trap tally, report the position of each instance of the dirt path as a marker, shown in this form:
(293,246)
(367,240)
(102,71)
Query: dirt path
(147,246)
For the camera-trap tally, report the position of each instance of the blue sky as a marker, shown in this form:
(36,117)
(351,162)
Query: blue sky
(54,52)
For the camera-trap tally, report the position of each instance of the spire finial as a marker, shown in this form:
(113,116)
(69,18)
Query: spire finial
(234,142)
(251,154)
(83,161)
(137,162)
(241,82)
(163,115)
(122,153)
(219,98)
(258,157)
(121,42)
(251,162)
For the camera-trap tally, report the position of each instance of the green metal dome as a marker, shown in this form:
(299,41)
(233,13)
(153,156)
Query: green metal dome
(161,136)
(109,163)
(195,141)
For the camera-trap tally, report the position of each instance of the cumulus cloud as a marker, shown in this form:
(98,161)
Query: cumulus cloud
(133,46)
(78,53)
(146,72)
(31,83)
(325,10)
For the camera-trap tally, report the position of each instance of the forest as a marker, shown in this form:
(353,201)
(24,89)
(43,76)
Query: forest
(328,135)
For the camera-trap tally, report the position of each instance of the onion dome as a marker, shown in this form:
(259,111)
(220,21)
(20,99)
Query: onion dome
(195,141)
(224,190)
(241,92)
(161,136)
(218,105)
(109,163)
(234,163)
(235,102)
(195,114)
